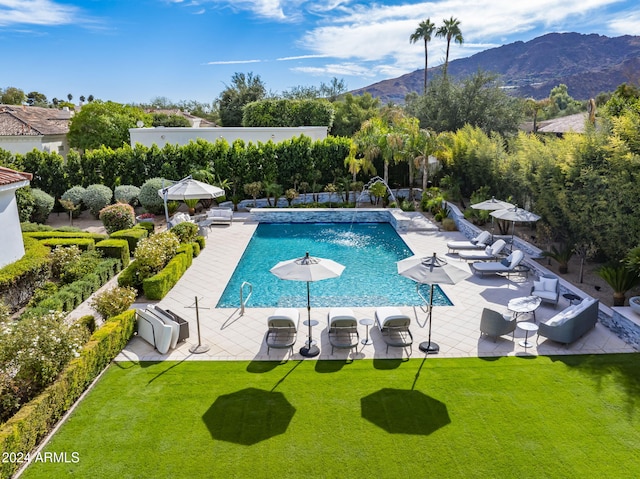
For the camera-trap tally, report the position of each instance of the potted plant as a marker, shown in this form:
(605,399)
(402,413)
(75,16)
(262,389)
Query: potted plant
(191,203)
(634,304)
(146,218)
(621,280)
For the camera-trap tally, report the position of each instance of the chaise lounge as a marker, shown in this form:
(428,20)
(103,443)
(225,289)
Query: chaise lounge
(394,327)
(490,253)
(479,242)
(283,329)
(507,265)
(343,328)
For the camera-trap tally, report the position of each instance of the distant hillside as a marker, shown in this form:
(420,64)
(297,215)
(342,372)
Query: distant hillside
(587,64)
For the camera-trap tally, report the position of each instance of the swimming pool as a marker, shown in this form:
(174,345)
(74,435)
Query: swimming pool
(369,252)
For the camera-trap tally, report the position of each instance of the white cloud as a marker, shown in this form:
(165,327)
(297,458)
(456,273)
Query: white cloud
(629,25)
(36,12)
(232,62)
(300,57)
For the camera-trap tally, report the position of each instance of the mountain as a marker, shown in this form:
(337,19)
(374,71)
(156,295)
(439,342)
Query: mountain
(587,64)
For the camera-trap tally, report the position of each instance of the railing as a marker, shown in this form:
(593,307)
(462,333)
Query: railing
(244,301)
(425,308)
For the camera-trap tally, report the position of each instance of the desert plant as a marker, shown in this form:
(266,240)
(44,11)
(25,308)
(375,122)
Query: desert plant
(43,204)
(562,255)
(290,195)
(126,194)
(97,197)
(621,279)
(253,190)
(116,217)
(185,231)
(272,189)
(191,204)
(172,207)
(74,196)
(114,301)
(154,252)
(149,197)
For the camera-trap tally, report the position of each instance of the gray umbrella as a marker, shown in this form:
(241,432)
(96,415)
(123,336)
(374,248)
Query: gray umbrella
(492,205)
(514,215)
(308,269)
(430,270)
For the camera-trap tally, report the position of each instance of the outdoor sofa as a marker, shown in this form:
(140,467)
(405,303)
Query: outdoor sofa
(219,215)
(571,323)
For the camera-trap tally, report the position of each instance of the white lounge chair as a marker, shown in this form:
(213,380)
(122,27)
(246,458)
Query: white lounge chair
(490,253)
(154,331)
(394,327)
(283,329)
(507,265)
(479,242)
(343,328)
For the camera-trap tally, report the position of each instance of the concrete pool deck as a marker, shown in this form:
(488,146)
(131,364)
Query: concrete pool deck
(232,336)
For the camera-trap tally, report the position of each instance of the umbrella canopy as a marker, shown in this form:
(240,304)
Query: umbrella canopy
(514,215)
(308,269)
(492,205)
(190,189)
(430,270)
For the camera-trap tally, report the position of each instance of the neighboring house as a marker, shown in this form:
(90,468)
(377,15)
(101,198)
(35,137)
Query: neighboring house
(23,128)
(559,126)
(10,233)
(194,121)
(182,136)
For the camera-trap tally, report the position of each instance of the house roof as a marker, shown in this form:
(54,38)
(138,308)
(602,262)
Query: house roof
(564,124)
(8,176)
(192,118)
(18,120)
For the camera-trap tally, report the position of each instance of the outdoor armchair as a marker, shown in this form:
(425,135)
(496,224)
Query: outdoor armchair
(547,288)
(494,324)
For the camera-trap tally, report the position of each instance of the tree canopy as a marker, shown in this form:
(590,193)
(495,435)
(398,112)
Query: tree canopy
(243,90)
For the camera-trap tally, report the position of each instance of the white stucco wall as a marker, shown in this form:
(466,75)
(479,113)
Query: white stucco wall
(25,144)
(12,247)
(183,135)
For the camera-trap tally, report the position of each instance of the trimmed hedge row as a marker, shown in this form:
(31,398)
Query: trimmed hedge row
(20,279)
(36,418)
(115,248)
(41,235)
(85,244)
(71,296)
(158,285)
(132,235)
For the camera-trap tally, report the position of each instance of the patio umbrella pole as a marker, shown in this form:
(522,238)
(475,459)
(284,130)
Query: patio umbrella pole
(427,346)
(310,350)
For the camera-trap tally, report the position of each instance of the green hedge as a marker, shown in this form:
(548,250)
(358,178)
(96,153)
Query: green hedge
(147,225)
(36,418)
(201,241)
(196,249)
(132,235)
(157,286)
(129,276)
(85,244)
(41,235)
(19,280)
(115,248)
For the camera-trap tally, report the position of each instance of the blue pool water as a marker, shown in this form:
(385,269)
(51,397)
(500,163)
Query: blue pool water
(368,251)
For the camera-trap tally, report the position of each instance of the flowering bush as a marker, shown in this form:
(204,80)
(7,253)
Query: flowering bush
(119,216)
(97,197)
(61,257)
(43,205)
(185,231)
(154,252)
(126,194)
(114,301)
(145,216)
(149,197)
(33,351)
(83,265)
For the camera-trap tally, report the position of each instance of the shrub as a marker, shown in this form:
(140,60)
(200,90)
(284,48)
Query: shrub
(87,322)
(149,197)
(158,285)
(85,264)
(26,203)
(28,227)
(119,216)
(154,252)
(127,194)
(61,257)
(97,197)
(132,235)
(147,225)
(448,224)
(42,207)
(114,301)
(45,291)
(70,233)
(115,248)
(130,276)
(185,231)
(201,241)
(74,195)
(85,244)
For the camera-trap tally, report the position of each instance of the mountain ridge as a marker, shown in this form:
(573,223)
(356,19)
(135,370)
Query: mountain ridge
(587,63)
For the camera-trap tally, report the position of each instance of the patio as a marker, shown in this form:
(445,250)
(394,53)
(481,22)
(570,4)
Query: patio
(232,336)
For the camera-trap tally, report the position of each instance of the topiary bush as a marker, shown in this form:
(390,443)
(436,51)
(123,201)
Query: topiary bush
(43,205)
(149,197)
(114,301)
(126,194)
(185,231)
(97,197)
(74,195)
(116,217)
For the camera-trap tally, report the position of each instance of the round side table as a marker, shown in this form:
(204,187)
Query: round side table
(527,328)
(367,322)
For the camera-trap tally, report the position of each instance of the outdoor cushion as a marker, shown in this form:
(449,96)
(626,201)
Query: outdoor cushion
(506,262)
(550,295)
(549,284)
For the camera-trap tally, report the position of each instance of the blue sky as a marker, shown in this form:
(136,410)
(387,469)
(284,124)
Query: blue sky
(137,50)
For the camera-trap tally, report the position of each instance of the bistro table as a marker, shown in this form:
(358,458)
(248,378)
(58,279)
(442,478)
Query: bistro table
(527,327)
(524,305)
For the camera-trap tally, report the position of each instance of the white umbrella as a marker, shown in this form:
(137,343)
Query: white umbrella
(514,215)
(188,189)
(430,270)
(492,205)
(308,269)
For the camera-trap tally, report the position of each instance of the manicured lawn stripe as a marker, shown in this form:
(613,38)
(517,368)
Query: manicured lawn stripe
(574,416)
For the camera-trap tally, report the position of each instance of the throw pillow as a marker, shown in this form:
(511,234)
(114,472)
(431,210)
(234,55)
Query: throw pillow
(506,262)
(550,284)
(474,241)
(538,286)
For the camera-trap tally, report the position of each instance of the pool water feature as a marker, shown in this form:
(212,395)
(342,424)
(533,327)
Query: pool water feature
(369,252)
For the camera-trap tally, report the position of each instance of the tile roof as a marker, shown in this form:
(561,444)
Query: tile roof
(18,120)
(8,176)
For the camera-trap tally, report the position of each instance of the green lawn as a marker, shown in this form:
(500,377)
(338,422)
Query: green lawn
(565,417)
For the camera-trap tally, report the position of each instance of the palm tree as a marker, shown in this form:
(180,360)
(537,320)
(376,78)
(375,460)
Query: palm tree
(450,30)
(423,32)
